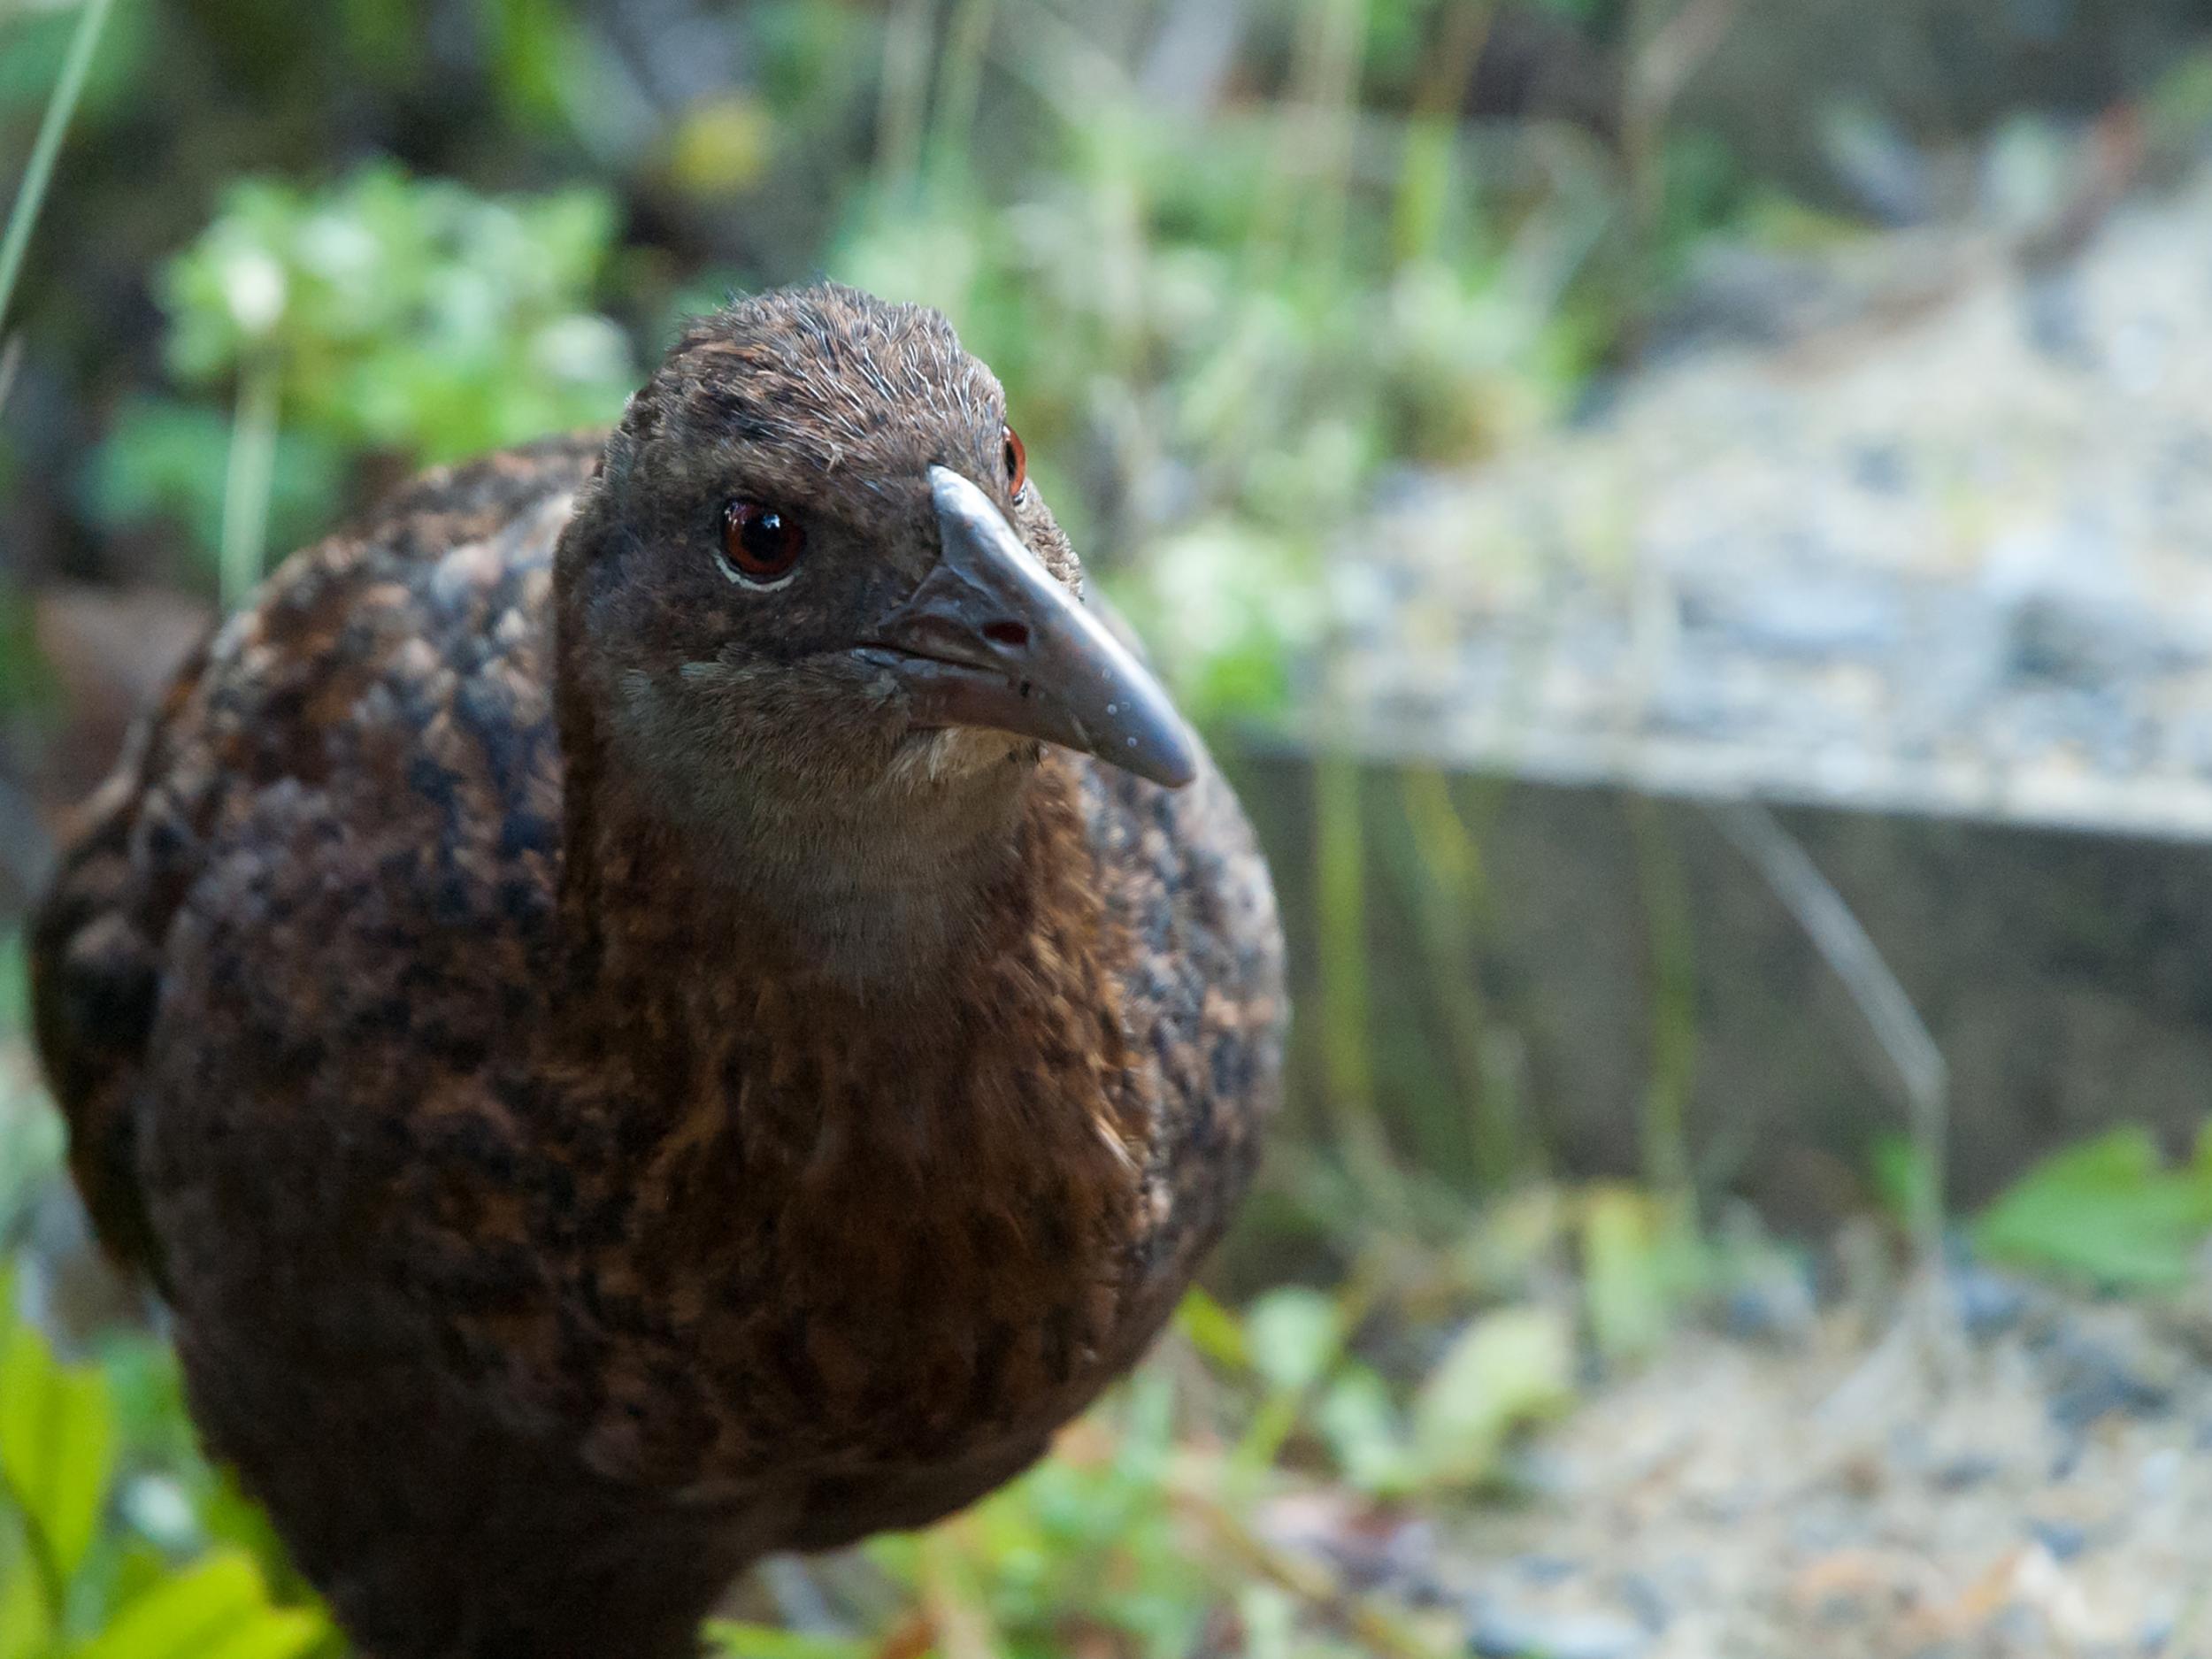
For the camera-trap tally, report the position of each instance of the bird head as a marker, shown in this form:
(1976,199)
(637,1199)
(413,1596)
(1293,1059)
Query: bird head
(814,568)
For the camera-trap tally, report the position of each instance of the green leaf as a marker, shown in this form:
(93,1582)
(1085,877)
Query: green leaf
(1506,1369)
(2108,1211)
(1362,1427)
(218,1609)
(273,1632)
(57,1445)
(182,1616)
(1212,1329)
(763,1641)
(396,314)
(1270,1617)
(26,1628)
(1626,1287)
(1902,1176)
(1293,1335)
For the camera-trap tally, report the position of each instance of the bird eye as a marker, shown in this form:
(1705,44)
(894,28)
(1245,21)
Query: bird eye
(1017,463)
(760,545)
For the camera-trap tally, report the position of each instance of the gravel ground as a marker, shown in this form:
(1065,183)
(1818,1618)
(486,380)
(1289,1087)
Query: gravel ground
(1930,525)
(2010,1473)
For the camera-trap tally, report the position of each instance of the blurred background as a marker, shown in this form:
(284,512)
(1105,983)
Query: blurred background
(1690,523)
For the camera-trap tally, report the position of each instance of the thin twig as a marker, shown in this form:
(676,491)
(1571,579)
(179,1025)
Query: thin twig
(1922,1076)
(1677,49)
(1378,1627)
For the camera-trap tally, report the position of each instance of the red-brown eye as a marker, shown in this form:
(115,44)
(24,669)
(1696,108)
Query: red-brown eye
(1017,463)
(759,544)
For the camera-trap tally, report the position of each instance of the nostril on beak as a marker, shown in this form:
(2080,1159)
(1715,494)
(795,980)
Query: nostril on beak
(1012,634)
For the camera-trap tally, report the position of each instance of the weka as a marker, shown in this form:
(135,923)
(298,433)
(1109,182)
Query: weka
(661,1000)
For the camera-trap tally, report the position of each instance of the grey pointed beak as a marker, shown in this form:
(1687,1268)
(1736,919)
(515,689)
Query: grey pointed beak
(993,638)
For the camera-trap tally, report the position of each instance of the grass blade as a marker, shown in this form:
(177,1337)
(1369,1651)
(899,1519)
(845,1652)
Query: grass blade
(39,174)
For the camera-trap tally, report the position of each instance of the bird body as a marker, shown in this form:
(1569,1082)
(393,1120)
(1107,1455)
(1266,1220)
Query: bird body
(620,1060)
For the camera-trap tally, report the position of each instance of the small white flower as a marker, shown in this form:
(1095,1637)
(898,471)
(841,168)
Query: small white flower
(254,289)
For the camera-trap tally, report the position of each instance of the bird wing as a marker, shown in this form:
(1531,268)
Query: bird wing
(1184,878)
(257,707)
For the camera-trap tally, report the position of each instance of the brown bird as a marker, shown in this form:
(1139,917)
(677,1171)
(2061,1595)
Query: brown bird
(663,1000)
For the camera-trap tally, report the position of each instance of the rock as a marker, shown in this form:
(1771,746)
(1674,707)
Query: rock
(2159,1475)
(1990,1304)
(2096,1382)
(1775,1304)
(2063,1538)
(1963,1473)
(1500,1632)
(1645,1600)
(1547,1569)
(1890,543)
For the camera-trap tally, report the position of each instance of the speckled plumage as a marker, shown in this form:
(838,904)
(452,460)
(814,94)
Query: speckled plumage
(557,1211)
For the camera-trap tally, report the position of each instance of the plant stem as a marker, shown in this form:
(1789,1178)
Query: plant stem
(1303,197)
(960,82)
(251,477)
(1343,915)
(1334,92)
(1669,51)
(1451,914)
(39,172)
(901,103)
(1347,1066)
(958,1617)
(1664,889)
(1424,176)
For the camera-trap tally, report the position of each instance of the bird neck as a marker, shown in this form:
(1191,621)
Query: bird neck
(886,902)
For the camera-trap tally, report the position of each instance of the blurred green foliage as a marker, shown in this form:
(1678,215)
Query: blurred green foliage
(117,1540)
(382,316)
(404,315)
(1223,323)
(2111,1212)
(101,1555)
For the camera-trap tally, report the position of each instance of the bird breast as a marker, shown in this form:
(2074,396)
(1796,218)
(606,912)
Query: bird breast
(870,1233)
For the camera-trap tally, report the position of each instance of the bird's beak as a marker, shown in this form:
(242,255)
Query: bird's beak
(992,639)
